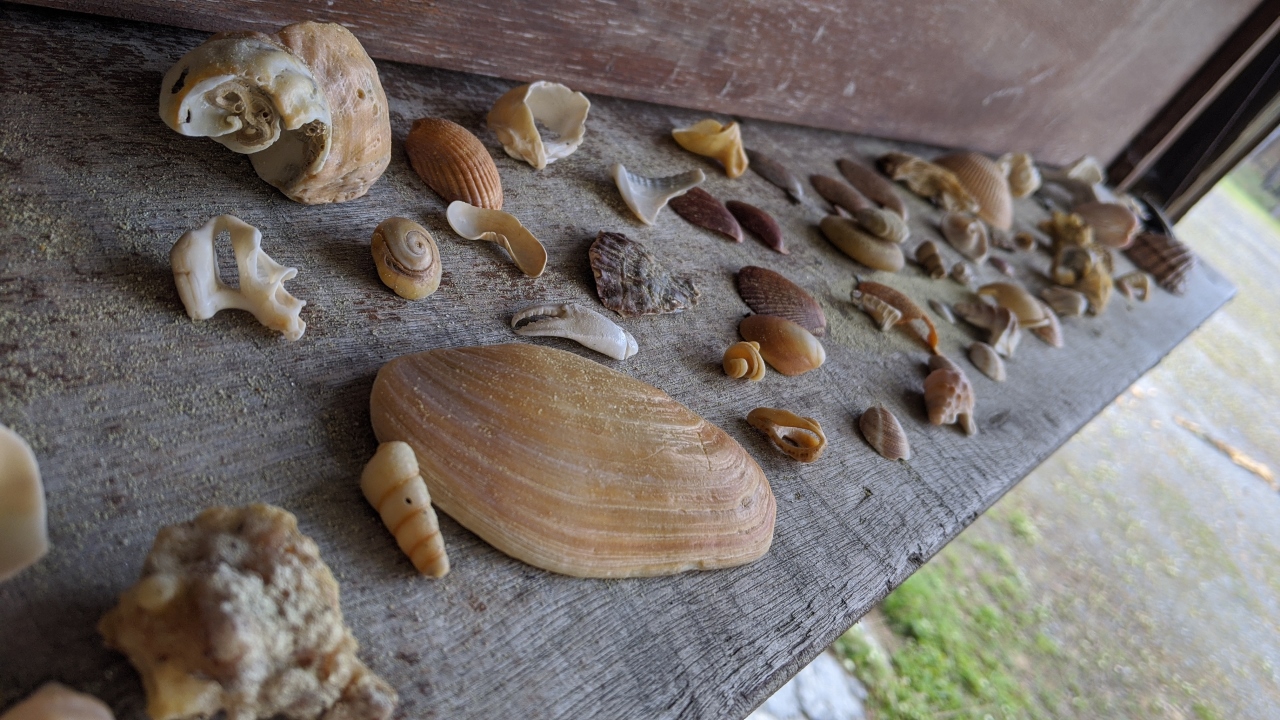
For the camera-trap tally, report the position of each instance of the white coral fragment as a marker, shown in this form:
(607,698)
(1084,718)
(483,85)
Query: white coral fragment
(562,111)
(195,271)
(578,323)
(24,535)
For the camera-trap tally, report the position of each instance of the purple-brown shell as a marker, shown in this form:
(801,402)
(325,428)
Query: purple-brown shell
(873,185)
(840,194)
(630,281)
(769,293)
(703,209)
(759,223)
(776,173)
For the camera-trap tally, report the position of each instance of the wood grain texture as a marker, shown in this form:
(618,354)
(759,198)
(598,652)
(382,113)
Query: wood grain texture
(1057,79)
(141,417)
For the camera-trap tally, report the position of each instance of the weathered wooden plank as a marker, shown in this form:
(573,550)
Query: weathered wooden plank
(1058,79)
(141,417)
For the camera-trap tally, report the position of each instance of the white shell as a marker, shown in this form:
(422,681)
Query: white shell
(562,111)
(578,323)
(496,226)
(986,359)
(646,196)
(24,534)
(195,271)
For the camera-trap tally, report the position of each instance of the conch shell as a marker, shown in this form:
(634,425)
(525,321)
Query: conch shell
(578,323)
(515,115)
(453,162)
(646,196)
(910,311)
(787,347)
(477,223)
(770,293)
(305,104)
(195,271)
(743,360)
(948,395)
(986,183)
(394,487)
(630,281)
(526,447)
(967,235)
(407,258)
(799,437)
(860,245)
(719,142)
(1021,172)
(24,534)
(54,701)
(1165,257)
(884,433)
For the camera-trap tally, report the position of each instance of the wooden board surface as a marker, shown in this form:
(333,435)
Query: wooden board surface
(141,417)
(1057,79)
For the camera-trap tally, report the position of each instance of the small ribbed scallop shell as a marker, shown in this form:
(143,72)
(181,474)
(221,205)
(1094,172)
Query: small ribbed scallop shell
(799,437)
(984,181)
(394,487)
(703,209)
(985,358)
(407,258)
(769,293)
(759,223)
(862,246)
(1167,259)
(630,281)
(839,194)
(787,347)
(776,173)
(1021,171)
(966,234)
(905,305)
(1114,225)
(948,396)
(454,163)
(884,433)
(743,360)
(1065,301)
(929,258)
(873,185)
(720,142)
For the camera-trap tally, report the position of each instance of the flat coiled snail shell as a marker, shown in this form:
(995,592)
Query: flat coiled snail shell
(407,258)
(743,360)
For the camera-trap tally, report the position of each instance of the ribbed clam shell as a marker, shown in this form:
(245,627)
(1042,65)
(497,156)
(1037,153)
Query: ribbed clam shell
(776,173)
(454,163)
(873,185)
(948,396)
(840,194)
(769,293)
(1167,259)
(966,234)
(703,209)
(630,281)
(526,447)
(646,196)
(984,181)
(985,358)
(884,433)
(759,223)
(1113,224)
(787,347)
(862,246)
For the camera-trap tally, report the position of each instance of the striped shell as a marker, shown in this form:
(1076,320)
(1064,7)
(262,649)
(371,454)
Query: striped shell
(703,209)
(884,433)
(862,246)
(1113,224)
(983,179)
(948,396)
(394,487)
(787,347)
(1167,259)
(769,293)
(453,163)
(759,223)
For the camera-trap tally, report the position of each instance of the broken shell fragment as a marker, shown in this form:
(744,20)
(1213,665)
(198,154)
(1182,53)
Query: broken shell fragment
(966,234)
(526,447)
(799,437)
(743,360)
(646,196)
(495,226)
(860,245)
(1051,331)
(884,433)
(885,315)
(1030,311)
(1114,225)
(578,323)
(1005,332)
(948,396)
(1021,172)
(24,533)
(985,183)
(929,258)
(630,281)
(929,181)
(787,347)
(407,258)
(873,185)
(720,142)
(759,223)
(985,358)
(1167,259)
(394,487)
(1134,286)
(1065,301)
(515,117)
(454,163)
(54,701)
(1002,266)
(305,104)
(769,293)
(905,305)
(261,292)
(703,209)
(776,173)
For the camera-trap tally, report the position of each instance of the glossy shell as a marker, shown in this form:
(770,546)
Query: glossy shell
(884,433)
(495,226)
(984,181)
(630,281)
(759,223)
(776,173)
(860,245)
(787,347)
(714,140)
(799,437)
(453,163)
(407,258)
(769,293)
(743,360)
(703,209)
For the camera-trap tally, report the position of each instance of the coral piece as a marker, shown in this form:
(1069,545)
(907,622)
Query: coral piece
(578,323)
(407,258)
(630,281)
(860,245)
(759,223)
(799,437)
(871,184)
(646,196)
(54,701)
(495,226)
(394,487)
(776,173)
(769,293)
(720,142)
(1167,259)
(24,532)
(986,183)
(703,209)
(884,433)
(905,305)
(235,612)
(515,116)
(743,360)
(948,396)
(454,163)
(787,347)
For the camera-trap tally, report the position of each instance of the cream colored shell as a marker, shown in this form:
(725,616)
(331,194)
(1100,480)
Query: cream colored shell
(884,433)
(496,226)
(1030,311)
(407,258)
(393,486)
(876,253)
(1021,172)
(515,116)
(24,534)
(743,359)
(799,437)
(646,196)
(578,323)
(54,701)
(714,140)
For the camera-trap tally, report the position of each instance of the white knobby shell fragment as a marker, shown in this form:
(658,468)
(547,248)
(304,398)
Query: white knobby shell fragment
(496,226)
(195,270)
(646,196)
(578,323)
(562,111)
(24,534)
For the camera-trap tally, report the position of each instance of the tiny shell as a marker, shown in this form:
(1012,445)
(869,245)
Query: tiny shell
(905,305)
(884,433)
(885,315)
(930,181)
(769,293)
(787,347)
(1096,284)
(454,163)
(407,258)
(630,281)
(720,142)
(54,701)
(1021,172)
(799,437)
(776,173)
(928,257)
(495,226)
(966,234)
(1002,266)
(1167,259)
(578,323)
(759,223)
(24,534)
(1114,225)
(1030,311)
(515,117)
(1134,286)
(948,395)
(1005,332)
(1051,331)
(984,181)
(943,310)
(963,273)
(873,185)
(839,194)
(1025,242)
(703,209)
(861,246)
(646,196)
(394,487)
(985,358)
(743,360)
(1065,301)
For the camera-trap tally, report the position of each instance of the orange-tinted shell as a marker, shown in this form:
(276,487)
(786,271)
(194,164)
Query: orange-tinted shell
(983,179)
(454,163)
(787,347)
(905,305)
(1113,224)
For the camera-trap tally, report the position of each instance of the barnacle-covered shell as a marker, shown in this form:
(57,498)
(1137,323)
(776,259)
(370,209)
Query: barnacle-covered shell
(759,223)
(787,347)
(984,181)
(1021,172)
(799,437)
(1051,331)
(884,433)
(860,245)
(1134,286)
(873,185)
(948,396)
(776,173)
(966,234)
(526,447)
(769,293)
(929,181)
(905,305)
(1114,225)
(630,281)
(743,359)
(305,104)
(648,195)
(24,534)
(1065,301)
(720,142)
(578,323)
(703,209)
(885,315)
(407,258)
(54,701)
(495,226)
(394,487)
(453,163)
(1167,259)
(1030,311)
(929,258)
(985,358)
(515,117)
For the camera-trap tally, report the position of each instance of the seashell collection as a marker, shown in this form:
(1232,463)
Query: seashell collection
(630,281)
(394,487)
(743,360)
(407,258)
(646,196)
(703,209)
(515,116)
(719,142)
(799,437)
(578,323)
(884,433)
(769,293)
(495,226)
(453,163)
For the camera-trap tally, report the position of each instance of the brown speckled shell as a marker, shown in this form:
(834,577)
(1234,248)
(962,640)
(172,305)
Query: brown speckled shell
(703,209)
(630,281)
(454,163)
(884,433)
(983,179)
(787,347)
(769,293)
(1167,259)
(1113,224)
(760,223)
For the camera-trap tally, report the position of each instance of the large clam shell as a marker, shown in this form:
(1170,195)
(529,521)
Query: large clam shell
(630,281)
(515,117)
(646,196)
(984,181)
(495,226)
(454,163)
(769,293)
(526,446)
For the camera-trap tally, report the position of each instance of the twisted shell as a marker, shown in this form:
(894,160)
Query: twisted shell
(787,347)
(799,437)
(394,487)
(1134,286)
(743,359)
(770,293)
(884,433)
(720,142)
(453,163)
(407,258)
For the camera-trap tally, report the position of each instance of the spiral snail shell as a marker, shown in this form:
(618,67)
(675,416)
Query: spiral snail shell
(407,258)
(393,485)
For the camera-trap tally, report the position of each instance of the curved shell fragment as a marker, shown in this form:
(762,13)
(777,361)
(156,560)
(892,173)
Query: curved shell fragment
(743,360)
(24,534)
(799,437)
(1021,172)
(710,138)
(646,196)
(906,307)
(495,226)
(578,323)
(562,111)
